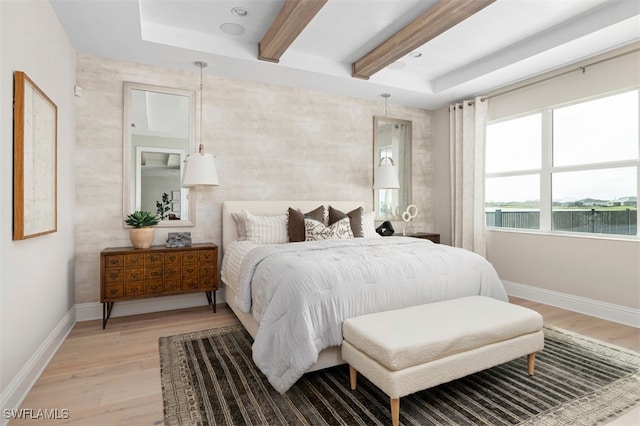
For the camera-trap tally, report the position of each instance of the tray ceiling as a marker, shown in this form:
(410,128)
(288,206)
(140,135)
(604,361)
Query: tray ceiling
(502,42)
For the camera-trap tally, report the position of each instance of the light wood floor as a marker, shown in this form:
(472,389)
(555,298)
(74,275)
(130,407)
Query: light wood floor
(112,377)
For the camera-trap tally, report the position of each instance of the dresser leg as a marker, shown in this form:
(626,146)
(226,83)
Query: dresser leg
(211,302)
(106,313)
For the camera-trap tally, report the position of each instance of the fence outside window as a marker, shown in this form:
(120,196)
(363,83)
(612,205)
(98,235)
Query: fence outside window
(594,221)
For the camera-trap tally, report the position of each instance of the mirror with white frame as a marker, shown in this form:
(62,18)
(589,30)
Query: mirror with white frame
(159,129)
(392,139)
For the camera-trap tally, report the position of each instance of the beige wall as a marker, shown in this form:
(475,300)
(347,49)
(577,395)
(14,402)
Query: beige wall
(270,142)
(605,270)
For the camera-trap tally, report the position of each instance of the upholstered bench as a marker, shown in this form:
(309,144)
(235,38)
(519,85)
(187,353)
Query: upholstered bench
(407,350)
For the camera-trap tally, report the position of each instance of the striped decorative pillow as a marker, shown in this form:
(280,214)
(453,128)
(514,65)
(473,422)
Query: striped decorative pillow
(266,229)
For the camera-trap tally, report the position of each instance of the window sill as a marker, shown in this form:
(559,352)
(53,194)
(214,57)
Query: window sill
(608,237)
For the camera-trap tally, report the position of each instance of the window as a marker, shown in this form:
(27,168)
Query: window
(567,169)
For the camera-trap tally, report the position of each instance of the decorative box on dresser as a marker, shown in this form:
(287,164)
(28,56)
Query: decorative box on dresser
(127,273)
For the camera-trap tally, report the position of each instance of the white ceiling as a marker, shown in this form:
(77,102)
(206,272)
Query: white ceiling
(508,41)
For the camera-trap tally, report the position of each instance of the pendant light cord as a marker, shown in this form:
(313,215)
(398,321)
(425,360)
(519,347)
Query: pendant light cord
(201,65)
(385,96)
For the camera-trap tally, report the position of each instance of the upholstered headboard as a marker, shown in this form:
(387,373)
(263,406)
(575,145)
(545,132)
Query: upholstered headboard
(229,227)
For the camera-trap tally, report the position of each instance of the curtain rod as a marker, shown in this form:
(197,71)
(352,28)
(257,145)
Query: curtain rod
(582,68)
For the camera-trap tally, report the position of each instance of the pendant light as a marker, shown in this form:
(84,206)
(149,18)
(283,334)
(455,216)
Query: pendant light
(386,176)
(200,168)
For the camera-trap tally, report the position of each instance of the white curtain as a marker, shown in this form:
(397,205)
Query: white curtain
(467,121)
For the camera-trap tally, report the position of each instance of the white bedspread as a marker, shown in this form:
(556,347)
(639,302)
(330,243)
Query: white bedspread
(300,293)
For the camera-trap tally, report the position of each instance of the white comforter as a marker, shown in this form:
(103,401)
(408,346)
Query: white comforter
(300,293)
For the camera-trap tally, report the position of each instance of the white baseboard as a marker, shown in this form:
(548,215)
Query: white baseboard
(608,311)
(93,310)
(19,387)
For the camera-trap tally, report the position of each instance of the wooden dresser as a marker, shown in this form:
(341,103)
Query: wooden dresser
(127,273)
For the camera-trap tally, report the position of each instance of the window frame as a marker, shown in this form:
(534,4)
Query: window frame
(547,169)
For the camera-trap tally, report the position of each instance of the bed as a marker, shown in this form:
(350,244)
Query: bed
(295,295)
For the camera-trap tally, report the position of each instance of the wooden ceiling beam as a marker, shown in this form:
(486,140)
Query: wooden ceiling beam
(429,25)
(294,16)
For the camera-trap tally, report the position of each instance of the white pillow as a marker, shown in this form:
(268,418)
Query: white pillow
(240,224)
(316,231)
(266,229)
(368,226)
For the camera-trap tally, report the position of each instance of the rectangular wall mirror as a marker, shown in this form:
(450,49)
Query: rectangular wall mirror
(392,139)
(159,129)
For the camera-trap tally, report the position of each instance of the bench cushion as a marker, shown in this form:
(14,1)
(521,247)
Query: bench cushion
(403,338)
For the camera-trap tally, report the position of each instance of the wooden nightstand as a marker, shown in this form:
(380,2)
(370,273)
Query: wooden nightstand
(127,273)
(424,235)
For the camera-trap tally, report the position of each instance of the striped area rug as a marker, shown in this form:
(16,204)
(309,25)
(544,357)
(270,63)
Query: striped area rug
(209,378)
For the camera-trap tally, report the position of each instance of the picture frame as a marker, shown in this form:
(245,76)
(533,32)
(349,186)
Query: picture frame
(35,151)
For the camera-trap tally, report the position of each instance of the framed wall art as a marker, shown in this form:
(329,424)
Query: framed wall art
(35,147)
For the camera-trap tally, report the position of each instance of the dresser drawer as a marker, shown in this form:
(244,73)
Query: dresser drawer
(154,259)
(171,286)
(133,260)
(172,273)
(207,271)
(134,289)
(190,257)
(190,283)
(133,274)
(173,258)
(153,287)
(206,256)
(113,291)
(207,282)
(113,276)
(189,271)
(114,261)
(153,273)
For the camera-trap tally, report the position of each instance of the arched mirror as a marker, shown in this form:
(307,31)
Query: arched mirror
(159,129)
(392,140)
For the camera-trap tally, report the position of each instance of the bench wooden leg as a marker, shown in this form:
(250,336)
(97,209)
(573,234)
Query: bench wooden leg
(353,377)
(395,411)
(531,361)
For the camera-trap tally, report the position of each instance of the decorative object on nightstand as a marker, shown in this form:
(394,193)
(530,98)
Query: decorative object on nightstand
(410,213)
(142,233)
(385,229)
(128,274)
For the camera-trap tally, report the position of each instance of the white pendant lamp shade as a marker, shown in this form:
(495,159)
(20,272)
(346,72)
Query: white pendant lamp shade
(386,176)
(200,169)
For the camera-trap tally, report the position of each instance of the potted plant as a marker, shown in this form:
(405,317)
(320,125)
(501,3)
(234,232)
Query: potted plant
(142,233)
